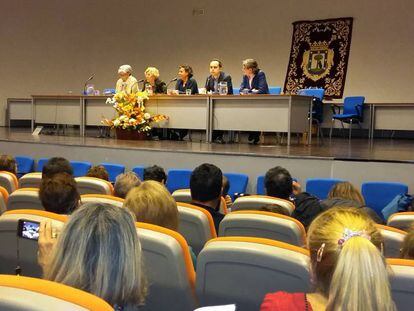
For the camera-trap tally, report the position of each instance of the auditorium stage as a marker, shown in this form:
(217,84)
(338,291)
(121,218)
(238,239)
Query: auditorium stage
(356,160)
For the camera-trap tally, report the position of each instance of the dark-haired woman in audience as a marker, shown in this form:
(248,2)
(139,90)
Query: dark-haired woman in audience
(99,252)
(8,164)
(348,269)
(254,82)
(98,171)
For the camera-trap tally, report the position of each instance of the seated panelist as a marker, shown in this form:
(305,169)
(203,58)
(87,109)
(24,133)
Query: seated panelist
(152,80)
(126,82)
(186,81)
(254,80)
(216,76)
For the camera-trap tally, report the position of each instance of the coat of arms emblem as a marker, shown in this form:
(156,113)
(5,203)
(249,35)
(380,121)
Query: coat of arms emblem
(317,61)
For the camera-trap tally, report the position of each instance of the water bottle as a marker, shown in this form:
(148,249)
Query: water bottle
(223,89)
(148,88)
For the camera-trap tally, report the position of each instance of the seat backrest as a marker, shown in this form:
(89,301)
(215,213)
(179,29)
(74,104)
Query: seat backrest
(236,90)
(102,198)
(378,194)
(8,181)
(178,179)
(275,90)
(19,293)
(25,198)
(238,183)
(242,270)
(139,170)
(403,220)
(196,225)
(263,225)
(16,251)
(320,187)
(40,163)
(92,185)
(317,93)
(256,202)
(402,282)
(31,180)
(260,189)
(24,165)
(80,168)
(393,240)
(113,170)
(4,197)
(168,267)
(354,105)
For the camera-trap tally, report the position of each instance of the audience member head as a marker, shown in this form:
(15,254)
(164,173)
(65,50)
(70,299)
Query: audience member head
(98,171)
(152,203)
(156,173)
(345,190)
(185,72)
(346,261)
(250,67)
(56,165)
(206,184)
(124,183)
(8,164)
(226,186)
(278,183)
(99,252)
(59,194)
(407,250)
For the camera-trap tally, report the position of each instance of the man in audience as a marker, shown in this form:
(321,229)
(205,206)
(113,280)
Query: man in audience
(156,173)
(98,171)
(59,194)
(124,183)
(56,165)
(278,183)
(8,164)
(206,185)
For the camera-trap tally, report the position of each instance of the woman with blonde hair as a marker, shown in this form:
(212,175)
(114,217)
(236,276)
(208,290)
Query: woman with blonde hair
(346,195)
(152,81)
(99,252)
(152,203)
(348,269)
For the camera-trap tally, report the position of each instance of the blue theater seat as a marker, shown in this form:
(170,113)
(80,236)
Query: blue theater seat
(139,170)
(178,179)
(238,183)
(40,163)
(80,168)
(113,170)
(24,165)
(320,187)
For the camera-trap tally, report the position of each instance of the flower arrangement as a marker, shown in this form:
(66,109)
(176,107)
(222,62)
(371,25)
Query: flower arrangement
(130,112)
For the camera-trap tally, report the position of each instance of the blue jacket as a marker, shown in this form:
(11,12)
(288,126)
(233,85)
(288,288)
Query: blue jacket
(259,83)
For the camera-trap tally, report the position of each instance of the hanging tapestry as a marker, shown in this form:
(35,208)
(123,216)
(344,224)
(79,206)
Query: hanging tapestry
(319,56)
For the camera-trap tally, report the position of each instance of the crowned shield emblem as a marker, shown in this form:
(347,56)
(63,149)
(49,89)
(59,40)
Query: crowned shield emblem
(317,61)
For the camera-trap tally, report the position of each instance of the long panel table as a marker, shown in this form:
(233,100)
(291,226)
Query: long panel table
(269,113)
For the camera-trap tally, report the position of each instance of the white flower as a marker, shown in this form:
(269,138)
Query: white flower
(116,122)
(108,101)
(132,120)
(147,116)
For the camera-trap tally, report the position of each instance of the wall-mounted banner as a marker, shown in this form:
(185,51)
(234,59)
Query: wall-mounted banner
(319,56)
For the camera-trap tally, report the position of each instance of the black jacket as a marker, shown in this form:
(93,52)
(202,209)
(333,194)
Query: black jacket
(191,84)
(160,87)
(222,78)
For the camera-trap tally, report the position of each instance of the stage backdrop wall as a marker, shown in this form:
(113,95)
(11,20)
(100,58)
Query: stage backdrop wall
(51,46)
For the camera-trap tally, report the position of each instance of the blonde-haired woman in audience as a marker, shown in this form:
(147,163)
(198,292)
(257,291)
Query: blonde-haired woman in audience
(153,82)
(348,270)
(152,203)
(407,250)
(99,252)
(346,195)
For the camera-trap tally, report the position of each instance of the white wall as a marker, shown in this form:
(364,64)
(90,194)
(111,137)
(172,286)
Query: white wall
(52,46)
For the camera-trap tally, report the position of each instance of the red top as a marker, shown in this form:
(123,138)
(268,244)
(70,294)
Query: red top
(282,301)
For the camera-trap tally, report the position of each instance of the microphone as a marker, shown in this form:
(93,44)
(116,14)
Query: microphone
(86,82)
(173,80)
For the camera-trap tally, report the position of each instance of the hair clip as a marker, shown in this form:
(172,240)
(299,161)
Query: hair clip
(348,233)
(319,253)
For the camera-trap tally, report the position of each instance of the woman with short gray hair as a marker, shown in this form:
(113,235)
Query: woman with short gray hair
(126,82)
(99,252)
(124,183)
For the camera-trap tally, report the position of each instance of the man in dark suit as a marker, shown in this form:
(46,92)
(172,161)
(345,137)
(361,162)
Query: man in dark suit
(212,86)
